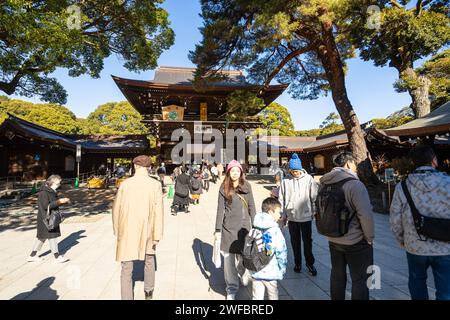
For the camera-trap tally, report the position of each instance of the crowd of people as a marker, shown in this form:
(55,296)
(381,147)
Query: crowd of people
(191,181)
(341,207)
(251,240)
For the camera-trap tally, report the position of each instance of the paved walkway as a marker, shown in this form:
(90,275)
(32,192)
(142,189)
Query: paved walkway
(184,267)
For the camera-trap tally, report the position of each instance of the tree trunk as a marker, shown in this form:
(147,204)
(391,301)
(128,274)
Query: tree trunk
(332,63)
(419,93)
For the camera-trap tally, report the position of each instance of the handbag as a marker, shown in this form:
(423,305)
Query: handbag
(433,228)
(53,220)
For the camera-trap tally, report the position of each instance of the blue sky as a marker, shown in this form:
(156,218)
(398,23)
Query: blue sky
(370,88)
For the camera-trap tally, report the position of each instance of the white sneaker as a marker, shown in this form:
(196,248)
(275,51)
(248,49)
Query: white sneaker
(61,259)
(231,296)
(36,258)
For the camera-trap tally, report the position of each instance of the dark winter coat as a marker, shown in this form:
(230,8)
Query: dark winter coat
(233,219)
(46,196)
(196,179)
(182,183)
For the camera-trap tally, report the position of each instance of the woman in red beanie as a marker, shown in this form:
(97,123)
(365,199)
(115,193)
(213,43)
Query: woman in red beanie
(235,213)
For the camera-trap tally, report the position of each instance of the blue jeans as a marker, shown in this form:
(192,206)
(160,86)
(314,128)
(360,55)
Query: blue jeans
(418,266)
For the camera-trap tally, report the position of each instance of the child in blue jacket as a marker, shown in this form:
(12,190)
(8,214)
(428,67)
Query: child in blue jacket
(268,222)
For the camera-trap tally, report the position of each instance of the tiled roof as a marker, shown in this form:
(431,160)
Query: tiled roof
(184,76)
(436,122)
(88,142)
(306,143)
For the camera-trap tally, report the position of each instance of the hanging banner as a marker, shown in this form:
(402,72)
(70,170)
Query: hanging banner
(203,111)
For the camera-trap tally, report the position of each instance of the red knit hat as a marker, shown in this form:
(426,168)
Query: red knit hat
(233,164)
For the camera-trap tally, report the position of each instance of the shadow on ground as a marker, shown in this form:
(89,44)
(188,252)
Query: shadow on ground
(45,291)
(68,243)
(203,252)
(85,204)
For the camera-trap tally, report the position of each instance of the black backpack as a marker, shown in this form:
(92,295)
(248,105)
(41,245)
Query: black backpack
(254,255)
(332,215)
(181,190)
(196,184)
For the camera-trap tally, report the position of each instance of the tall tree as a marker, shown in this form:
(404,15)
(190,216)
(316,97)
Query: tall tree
(296,42)
(36,37)
(398,34)
(114,118)
(277,117)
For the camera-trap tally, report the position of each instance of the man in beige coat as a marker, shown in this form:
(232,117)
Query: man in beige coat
(138,225)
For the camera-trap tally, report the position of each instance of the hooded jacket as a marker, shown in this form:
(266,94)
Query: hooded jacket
(297,197)
(430,192)
(276,268)
(357,200)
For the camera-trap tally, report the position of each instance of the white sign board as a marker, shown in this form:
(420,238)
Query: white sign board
(78,152)
(204,129)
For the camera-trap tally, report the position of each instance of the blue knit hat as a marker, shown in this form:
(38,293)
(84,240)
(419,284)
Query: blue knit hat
(295,163)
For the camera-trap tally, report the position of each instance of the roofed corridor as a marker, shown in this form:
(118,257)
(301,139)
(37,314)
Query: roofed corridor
(184,266)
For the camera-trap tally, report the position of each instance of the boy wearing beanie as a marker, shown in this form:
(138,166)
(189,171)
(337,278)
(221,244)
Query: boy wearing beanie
(297,196)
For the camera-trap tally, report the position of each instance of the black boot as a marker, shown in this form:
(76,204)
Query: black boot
(312,271)
(186,209)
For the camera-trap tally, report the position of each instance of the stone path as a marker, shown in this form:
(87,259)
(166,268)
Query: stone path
(184,267)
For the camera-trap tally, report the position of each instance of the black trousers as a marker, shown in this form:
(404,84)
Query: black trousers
(301,231)
(358,257)
(206,184)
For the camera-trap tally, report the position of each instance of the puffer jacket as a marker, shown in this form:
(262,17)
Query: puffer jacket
(276,268)
(430,191)
(297,197)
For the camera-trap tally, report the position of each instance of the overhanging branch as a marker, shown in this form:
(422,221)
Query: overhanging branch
(281,65)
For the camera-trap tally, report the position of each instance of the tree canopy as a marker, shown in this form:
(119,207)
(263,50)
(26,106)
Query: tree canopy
(52,116)
(36,37)
(297,42)
(402,33)
(109,118)
(114,118)
(277,117)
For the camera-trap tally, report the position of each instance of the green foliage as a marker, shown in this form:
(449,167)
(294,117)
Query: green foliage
(277,117)
(114,118)
(404,35)
(330,120)
(52,116)
(328,126)
(36,37)
(391,123)
(271,39)
(308,133)
(395,119)
(242,104)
